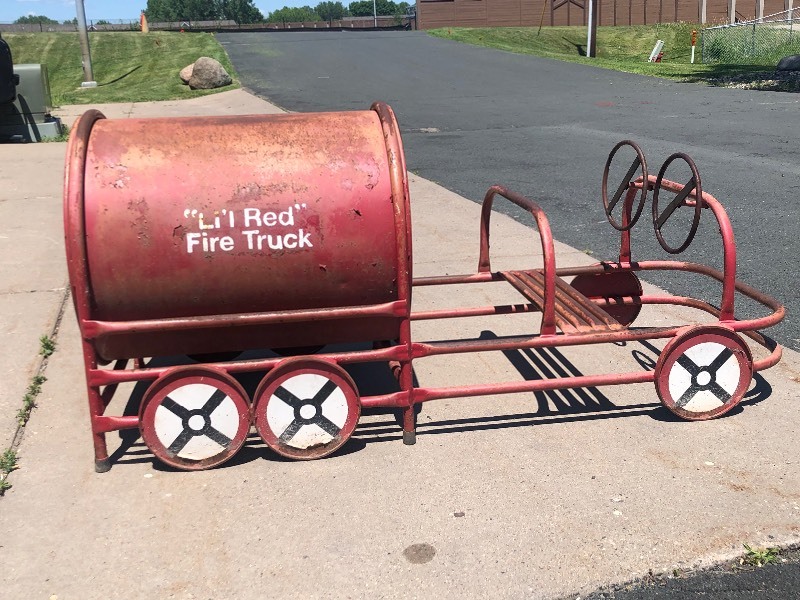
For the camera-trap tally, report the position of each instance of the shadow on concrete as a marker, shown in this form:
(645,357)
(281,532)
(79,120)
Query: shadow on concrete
(552,406)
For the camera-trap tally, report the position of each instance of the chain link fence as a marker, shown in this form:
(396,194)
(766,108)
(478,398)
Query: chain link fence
(761,41)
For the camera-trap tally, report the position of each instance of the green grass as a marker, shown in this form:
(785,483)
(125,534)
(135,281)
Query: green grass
(618,48)
(128,67)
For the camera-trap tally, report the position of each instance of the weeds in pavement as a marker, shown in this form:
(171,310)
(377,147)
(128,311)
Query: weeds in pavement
(8,463)
(29,399)
(62,137)
(47,346)
(758,557)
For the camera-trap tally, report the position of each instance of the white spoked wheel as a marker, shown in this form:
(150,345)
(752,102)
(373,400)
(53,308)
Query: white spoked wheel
(704,372)
(194,418)
(306,408)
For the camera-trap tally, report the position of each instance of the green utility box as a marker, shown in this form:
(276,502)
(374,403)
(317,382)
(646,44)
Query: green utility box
(27,118)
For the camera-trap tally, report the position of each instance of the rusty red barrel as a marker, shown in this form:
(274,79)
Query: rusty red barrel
(181,232)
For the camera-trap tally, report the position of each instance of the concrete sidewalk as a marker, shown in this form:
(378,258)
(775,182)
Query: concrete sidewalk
(517,496)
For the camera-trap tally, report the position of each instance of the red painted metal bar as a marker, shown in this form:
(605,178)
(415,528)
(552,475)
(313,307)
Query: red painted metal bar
(666,265)
(478,311)
(430,348)
(75,241)
(426,395)
(399,177)
(104,424)
(728,244)
(457,279)
(625,236)
(746,328)
(101,377)
(726,230)
(548,249)
(397,400)
(93,329)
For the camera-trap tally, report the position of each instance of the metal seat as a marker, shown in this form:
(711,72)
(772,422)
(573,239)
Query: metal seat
(574,312)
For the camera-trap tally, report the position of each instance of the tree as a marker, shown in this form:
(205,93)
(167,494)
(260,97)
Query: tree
(241,11)
(35,19)
(71,22)
(363,8)
(293,15)
(330,11)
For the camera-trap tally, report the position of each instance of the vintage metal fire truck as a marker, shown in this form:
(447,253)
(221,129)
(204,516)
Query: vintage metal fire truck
(210,236)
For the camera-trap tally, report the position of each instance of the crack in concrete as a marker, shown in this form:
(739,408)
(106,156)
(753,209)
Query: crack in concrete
(42,368)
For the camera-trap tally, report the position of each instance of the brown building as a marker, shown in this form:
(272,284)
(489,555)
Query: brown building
(528,13)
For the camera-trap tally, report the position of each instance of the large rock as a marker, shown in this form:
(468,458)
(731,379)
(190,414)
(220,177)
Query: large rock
(208,74)
(789,63)
(186,73)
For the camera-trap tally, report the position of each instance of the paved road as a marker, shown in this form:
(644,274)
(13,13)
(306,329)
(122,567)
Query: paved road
(728,582)
(472,117)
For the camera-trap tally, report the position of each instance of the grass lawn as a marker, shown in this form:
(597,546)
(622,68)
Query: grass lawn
(619,48)
(128,67)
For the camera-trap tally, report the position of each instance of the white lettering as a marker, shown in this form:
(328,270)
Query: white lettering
(254,222)
(289,220)
(192,241)
(202,224)
(226,243)
(252,217)
(250,238)
(305,242)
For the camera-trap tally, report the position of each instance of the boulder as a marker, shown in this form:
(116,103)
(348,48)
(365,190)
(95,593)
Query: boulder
(789,63)
(186,73)
(208,74)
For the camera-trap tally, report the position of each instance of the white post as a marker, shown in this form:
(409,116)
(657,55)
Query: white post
(589,30)
(760,10)
(591,34)
(374,13)
(732,11)
(83,34)
(703,12)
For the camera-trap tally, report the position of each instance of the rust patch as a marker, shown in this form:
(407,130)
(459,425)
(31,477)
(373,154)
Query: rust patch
(179,231)
(141,223)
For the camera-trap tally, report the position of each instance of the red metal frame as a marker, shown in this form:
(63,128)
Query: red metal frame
(553,299)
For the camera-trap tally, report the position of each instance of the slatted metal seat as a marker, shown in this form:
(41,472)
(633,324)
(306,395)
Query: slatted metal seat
(574,312)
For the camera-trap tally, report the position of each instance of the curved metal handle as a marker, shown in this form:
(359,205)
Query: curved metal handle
(548,249)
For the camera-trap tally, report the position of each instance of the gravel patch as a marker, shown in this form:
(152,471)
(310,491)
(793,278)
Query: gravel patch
(773,81)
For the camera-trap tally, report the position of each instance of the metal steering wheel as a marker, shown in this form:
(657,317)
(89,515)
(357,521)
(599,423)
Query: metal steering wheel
(609,205)
(693,187)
